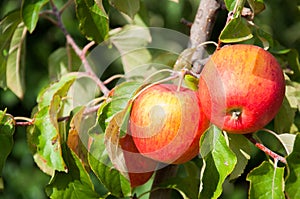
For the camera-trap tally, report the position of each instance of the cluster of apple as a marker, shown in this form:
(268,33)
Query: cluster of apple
(240,90)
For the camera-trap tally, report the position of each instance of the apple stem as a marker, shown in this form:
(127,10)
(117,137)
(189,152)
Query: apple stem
(263,148)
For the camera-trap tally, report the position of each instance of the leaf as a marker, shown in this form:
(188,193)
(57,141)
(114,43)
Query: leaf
(132,42)
(75,184)
(93,19)
(8,25)
(241,147)
(191,82)
(62,61)
(7,128)
(293,180)
(257,6)
(16,62)
(30,12)
(129,7)
(235,31)
(293,59)
(186,186)
(218,162)
(78,140)
(101,165)
(284,118)
(59,88)
(288,141)
(266,181)
(230,4)
(45,139)
(121,96)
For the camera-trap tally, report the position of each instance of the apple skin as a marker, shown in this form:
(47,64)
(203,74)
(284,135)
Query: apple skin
(241,88)
(139,168)
(166,124)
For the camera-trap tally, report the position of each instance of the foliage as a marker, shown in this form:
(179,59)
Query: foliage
(76,105)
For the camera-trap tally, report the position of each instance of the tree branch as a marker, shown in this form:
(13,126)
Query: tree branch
(265,149)
(201,30)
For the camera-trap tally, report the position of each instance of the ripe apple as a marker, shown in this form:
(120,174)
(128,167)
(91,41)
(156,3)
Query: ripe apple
(139,168)
(166,124)
(241,88)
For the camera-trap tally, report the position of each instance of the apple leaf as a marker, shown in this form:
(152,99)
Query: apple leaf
(8,25)
(266,181)
(241,147)
(45,139)
(257,6)
(121,96)
(62,61)
(236,30)
(75,183)
(284,118)
(93,19)
(59,88)
(293,180)
(30,12)
(230,4)
(186,186)
(131,43)
(117,184)
(293,59)
(218,162)
(7,128)
(129,7)
(15,67)
(288,141)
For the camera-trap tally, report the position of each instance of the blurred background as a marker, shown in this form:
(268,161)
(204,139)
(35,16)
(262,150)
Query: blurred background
(22,179)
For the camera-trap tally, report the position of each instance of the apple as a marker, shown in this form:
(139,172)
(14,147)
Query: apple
(139,168)
(166,123)
(241,88)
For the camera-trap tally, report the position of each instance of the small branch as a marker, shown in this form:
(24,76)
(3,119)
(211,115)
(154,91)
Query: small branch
(24,121)
(263,148)
(78,51)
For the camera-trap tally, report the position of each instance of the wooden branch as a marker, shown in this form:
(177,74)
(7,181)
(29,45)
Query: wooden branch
(201,30)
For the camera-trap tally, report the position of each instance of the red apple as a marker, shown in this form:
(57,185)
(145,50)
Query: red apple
(241,88)
(139,168)
(166,124)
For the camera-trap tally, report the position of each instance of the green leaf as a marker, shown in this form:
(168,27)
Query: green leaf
(120,98)
(30,12)
(15,68)
(7,128)
(93,19)
(284,118)
(218,162)
(257,6)
(59,88)
(62,61)
(132,43)
(191,82)
(129,7)
(186,186)
(241,147)
(8,25)
(75,183)
(293,180)
(101,165)
(45,139)
(230,4)
(236,30)
(293,59)
(266,181)
(288,141)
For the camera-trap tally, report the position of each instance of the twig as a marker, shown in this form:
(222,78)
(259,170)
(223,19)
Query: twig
(78,51)
(268,151)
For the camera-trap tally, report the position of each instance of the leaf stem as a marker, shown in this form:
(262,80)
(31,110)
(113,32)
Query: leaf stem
(25,121)
(263,148)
